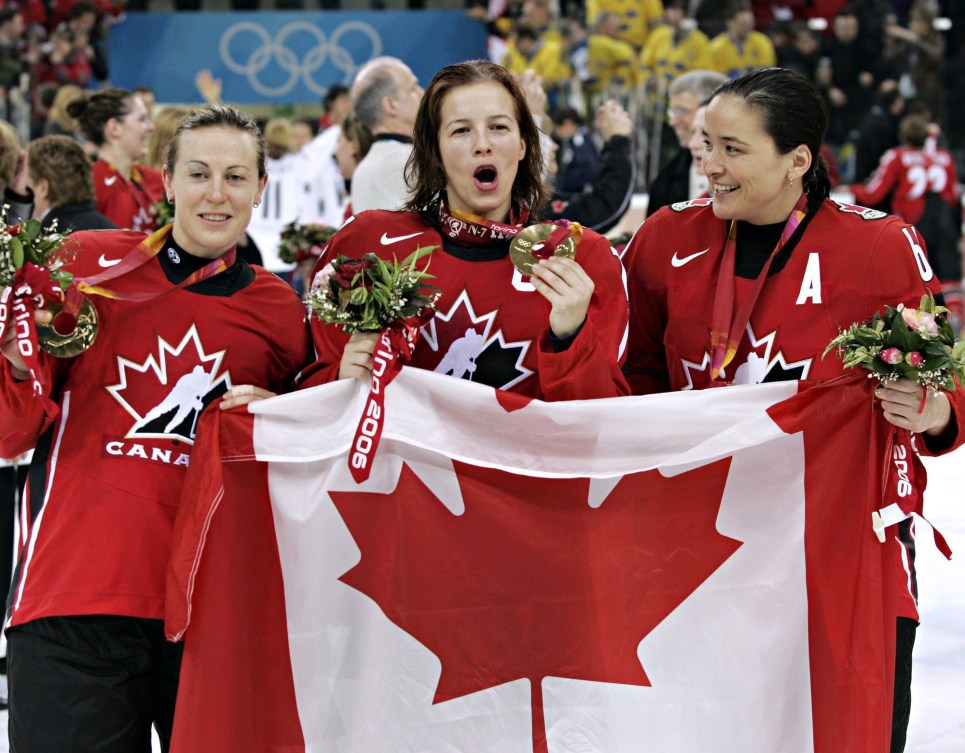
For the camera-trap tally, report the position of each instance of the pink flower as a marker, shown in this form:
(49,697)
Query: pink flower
(914,358)
(919,320)
(891,355)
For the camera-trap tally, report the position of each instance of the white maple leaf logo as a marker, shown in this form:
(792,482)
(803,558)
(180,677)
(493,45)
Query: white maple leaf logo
(184,377)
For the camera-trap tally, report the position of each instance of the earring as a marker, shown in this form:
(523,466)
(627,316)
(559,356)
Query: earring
(255,205)
(170,199)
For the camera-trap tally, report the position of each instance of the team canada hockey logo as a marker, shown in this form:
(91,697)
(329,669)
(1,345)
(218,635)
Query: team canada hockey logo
(165,394)
(764,363)
(863,212)
(472,348)
(682,205)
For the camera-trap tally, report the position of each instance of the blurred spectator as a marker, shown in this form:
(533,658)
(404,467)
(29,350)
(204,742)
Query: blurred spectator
(674,182)
(60,177)
(58,121)
(146,94)
(336,105)
(919,57)
(740,49)
(13,177)
(385,96)
(87,28)
(674,48)
(542,53)
(64,62)
(578,160)
(303,131)
(326,196)
(118,124)
(602,204)
(611,61)
(636,19)
(354,142)
(165,123)
(801,52)
(11,43)
(711,16)
(923,185)
(699,185)
(283,198)
(848,82)
(878,131)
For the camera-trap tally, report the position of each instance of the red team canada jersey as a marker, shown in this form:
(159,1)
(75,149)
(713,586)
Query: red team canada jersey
(909,175)
(490,325)
(849,263)
(127,204)
(106,477)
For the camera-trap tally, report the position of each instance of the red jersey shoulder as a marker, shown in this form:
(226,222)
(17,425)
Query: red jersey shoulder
(866,214)
(383,233)
(97,251)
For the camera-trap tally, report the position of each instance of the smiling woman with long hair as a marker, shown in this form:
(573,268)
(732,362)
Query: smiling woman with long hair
(475,177)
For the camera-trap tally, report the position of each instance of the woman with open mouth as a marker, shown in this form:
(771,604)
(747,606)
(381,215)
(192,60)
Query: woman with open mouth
(751,284)
(547,320)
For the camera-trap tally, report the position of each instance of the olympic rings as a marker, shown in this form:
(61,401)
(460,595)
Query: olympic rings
(268,50)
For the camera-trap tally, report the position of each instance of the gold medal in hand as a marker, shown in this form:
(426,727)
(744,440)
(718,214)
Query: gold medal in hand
(75,340)
(527,247)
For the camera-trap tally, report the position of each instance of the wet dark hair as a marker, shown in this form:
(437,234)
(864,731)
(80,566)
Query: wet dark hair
(218,116)
(792,114)
(425,174)
(93,110)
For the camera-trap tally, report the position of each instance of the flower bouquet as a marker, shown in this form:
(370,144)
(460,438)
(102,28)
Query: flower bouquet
(916,344)
(26,244)
(371,294)
(303,242)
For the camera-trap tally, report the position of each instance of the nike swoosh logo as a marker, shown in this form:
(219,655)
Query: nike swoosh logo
(110,181)
(679,262)
(386,240)
(105,262)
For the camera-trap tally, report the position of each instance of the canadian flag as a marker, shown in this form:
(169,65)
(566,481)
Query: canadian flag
(677,573)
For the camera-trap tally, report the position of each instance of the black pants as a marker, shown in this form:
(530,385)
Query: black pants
(91,683)
(904,643)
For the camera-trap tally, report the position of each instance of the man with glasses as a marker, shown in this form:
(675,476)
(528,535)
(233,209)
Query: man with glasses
(673,182)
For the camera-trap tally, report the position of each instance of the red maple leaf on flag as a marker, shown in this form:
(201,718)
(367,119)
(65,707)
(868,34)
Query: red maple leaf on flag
(531,581)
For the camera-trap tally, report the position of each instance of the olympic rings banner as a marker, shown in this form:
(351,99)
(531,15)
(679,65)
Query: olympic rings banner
(282,58)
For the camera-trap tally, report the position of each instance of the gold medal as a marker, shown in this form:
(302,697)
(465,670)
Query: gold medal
(74,342)
(522,246)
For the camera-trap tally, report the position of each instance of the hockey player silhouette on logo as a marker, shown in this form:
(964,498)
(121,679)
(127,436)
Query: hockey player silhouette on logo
(462,354)
(187,395)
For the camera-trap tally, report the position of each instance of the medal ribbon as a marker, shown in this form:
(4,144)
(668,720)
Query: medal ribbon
(726,332)
(136,258)
(394,347)
(32,289)
(456,224)
(563,229)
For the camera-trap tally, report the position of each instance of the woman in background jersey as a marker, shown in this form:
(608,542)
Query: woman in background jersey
(770,261)
(186,325)
(475,173)
(118,124)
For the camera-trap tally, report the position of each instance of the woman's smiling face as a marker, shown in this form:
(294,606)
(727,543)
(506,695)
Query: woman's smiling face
(481,146)
(749,179)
